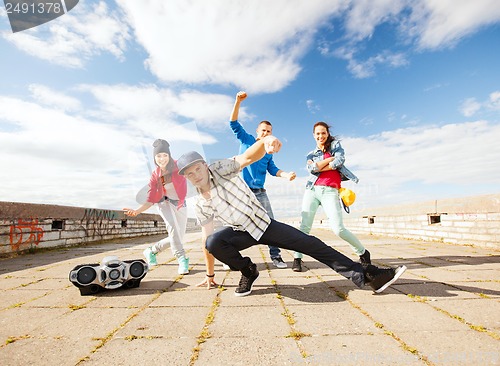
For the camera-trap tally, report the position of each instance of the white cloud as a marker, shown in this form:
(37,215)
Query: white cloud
(51,156)
(152,109)
(435,86)
(52,98)
(421,24)
(365,15)
(471,106)
(443,23)
(453,156)
(365,69)
(312,106)
(433,23)
(98,157)
(70,40)
(257,45)
(494,101)
(254,45)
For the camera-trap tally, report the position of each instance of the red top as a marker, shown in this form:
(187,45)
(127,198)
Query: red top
(330,178)
(157,190)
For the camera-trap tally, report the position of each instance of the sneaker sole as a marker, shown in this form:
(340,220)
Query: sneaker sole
(241,294)
(398,274)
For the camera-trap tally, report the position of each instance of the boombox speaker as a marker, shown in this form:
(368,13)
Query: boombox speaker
(110,274)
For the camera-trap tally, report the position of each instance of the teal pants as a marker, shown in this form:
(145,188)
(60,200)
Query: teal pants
(328,198)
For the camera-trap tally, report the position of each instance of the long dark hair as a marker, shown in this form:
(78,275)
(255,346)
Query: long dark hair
(170,165)
(329,139)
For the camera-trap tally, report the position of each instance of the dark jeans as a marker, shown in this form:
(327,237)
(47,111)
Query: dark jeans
(225,244)
(274,251)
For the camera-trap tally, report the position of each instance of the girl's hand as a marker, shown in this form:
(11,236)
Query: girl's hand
(130,212)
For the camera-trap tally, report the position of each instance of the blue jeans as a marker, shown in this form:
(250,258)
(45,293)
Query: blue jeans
(328,197)
(274,251)
(225,244)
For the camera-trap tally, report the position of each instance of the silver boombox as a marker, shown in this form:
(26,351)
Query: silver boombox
(110,274)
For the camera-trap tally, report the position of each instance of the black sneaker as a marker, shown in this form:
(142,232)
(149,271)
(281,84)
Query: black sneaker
(365,258)
(381,278)
(297,265)
(248,277)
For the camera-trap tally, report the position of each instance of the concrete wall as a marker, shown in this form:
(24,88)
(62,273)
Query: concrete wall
(25,226)
(469,221)
(473,220)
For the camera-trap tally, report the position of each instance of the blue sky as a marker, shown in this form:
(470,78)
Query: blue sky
(412,89)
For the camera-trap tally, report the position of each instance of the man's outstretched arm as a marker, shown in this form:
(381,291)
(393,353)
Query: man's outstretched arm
(268,144)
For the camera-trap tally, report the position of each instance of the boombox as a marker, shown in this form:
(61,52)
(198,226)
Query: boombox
(110,274)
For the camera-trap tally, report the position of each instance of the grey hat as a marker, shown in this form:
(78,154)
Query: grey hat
(188,159)
(161,146)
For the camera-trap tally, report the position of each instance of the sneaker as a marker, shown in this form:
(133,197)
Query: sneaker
(365,258)
(248,277)
(297,265)
(150,256)
(381,278)
(225,267)
(183,265)
(279,263)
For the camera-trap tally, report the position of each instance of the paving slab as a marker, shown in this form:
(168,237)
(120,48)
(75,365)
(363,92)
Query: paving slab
(356,349)
(143,351)
(444,310)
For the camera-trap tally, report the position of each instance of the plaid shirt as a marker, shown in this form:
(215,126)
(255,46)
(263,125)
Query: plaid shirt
(231,201)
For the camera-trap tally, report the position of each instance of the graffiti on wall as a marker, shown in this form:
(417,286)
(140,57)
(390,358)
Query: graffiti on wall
(25,232)
(97,223)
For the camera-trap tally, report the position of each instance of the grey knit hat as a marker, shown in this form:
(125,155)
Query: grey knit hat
(160,146)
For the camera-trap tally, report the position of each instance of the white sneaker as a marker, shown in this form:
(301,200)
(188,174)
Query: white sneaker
(279,263)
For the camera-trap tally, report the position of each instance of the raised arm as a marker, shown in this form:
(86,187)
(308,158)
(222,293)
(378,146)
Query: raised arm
(236,108)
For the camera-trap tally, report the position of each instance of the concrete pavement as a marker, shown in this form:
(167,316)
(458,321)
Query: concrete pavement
(445,310)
